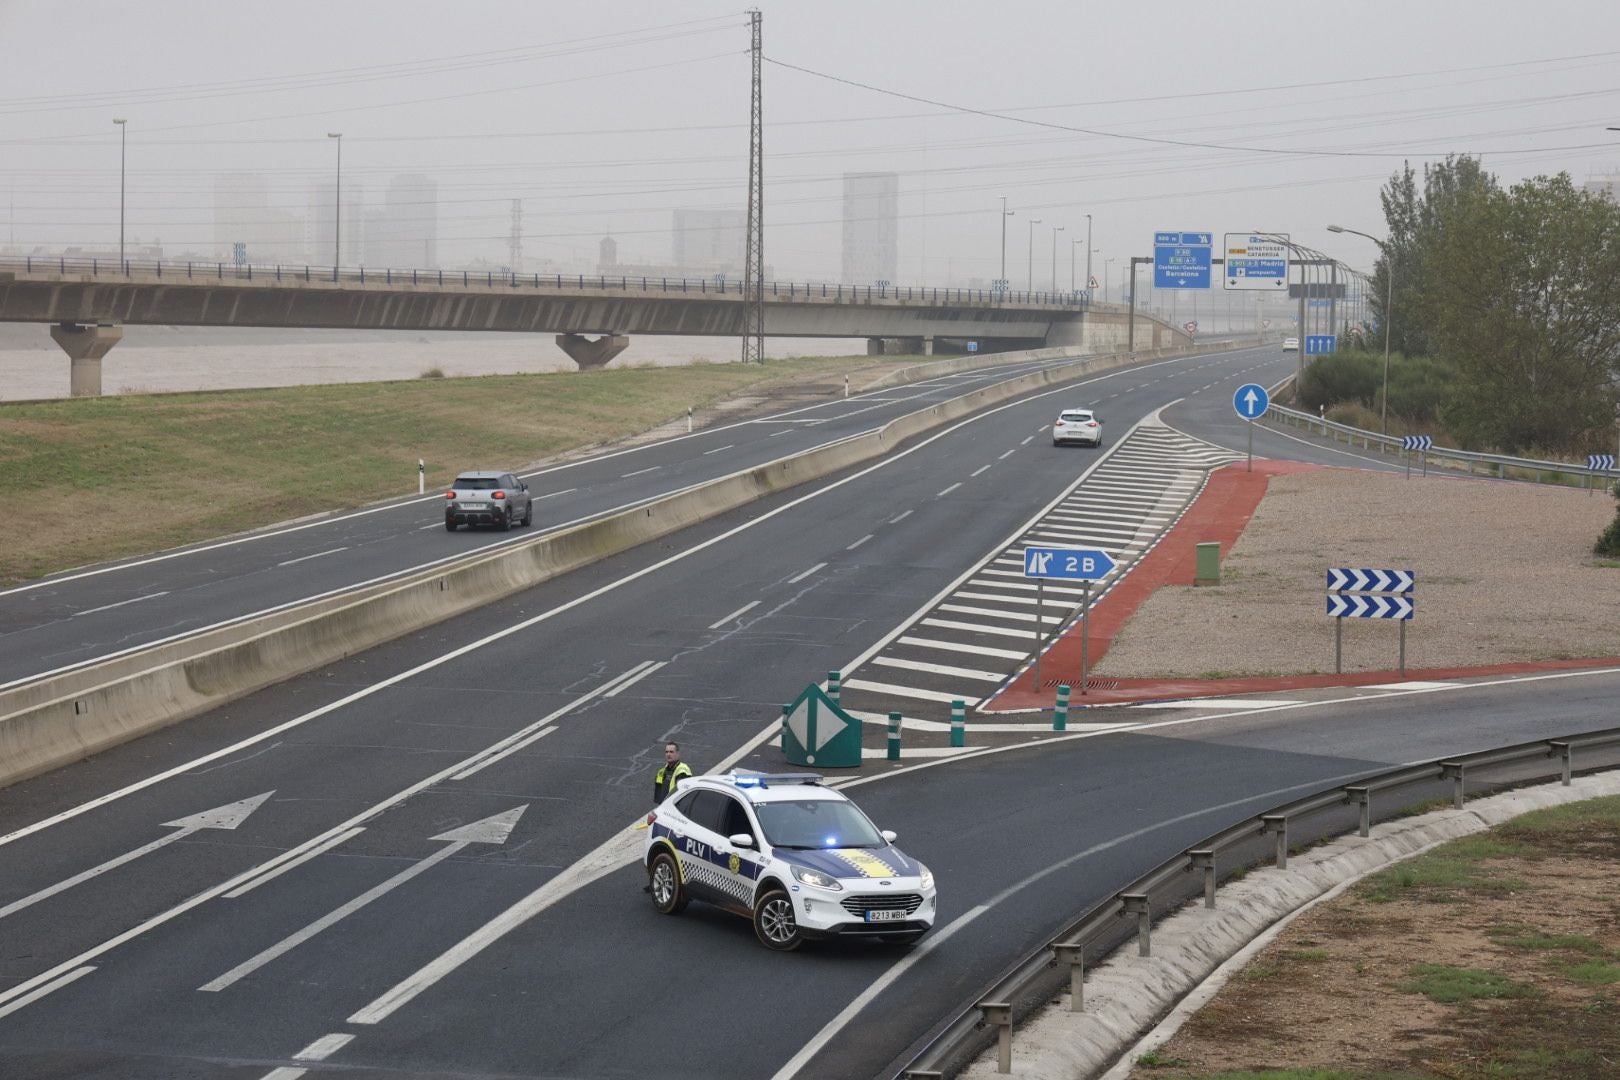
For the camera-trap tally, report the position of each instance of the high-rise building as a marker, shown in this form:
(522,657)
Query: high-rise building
(710,241)
(319,232)
(871,227)
(243,215)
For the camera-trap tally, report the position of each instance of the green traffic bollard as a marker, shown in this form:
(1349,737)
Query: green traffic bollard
(1060,711)
(958,723)
(835,680)
(894,736)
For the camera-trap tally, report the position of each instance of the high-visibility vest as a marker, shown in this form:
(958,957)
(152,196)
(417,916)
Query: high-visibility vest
(679,772)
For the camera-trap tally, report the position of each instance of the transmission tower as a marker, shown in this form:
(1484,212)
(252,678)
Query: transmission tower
(753,346)
(515,241)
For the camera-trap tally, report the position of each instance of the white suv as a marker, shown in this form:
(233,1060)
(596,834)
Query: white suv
(797,858)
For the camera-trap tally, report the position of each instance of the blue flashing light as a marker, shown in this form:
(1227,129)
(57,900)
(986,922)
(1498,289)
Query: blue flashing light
(831,841)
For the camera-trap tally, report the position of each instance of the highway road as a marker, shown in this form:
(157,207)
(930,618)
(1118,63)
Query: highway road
(413,863)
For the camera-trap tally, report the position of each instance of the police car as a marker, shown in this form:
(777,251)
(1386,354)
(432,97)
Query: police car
(797,858)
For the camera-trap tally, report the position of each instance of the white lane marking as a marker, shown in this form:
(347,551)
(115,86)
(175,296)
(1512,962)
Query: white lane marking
(902,517)
(317,555)
(509,751)
(1008,454)
(1257,704)
(948,490)
(553,494)
(776,434)
(1415,684)
(276,871)
(795,579)
(642,674)
(121,603)
(324,1047)
(639,472)
(41,991)
(717,449)
(958,646)
(940,669)
(908,691)
(739,613)
(859,542)
(977,471)
(976,628)
(1015,616)
(881,983)
(425,528)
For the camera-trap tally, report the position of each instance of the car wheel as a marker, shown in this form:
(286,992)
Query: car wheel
(774,923)
(664,882)
(506,520)
(528,515)
(449,526)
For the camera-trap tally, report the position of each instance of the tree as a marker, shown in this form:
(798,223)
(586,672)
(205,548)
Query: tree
(1520,290)
(1413,220)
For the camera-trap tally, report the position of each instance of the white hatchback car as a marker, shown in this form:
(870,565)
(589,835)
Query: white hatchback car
(799,859)
(1290,344)
(1077,425)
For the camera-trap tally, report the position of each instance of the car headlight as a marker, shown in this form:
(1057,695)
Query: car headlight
(816,878)
(927,878)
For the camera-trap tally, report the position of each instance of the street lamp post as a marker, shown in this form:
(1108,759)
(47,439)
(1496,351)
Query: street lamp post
(121,133)
(337,205)
(1389,313)
(1072,245)
(1055,230)
(1005,214)
(1034,221)
(1088,258)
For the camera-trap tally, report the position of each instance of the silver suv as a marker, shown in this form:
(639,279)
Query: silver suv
(486,497)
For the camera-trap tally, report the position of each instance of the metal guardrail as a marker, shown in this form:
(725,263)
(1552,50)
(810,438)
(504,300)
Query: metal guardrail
(1476,464)
(718,285)
(1037,978)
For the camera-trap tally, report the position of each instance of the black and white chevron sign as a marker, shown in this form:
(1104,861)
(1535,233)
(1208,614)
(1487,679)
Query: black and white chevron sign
(1416,442)
(1370,607)
(1599,461)
(1374,581)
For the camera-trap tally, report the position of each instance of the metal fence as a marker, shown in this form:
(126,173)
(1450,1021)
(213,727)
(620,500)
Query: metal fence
(1477,464)
(1040,976)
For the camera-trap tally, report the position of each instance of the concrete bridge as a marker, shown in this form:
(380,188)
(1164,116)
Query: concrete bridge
(88,302)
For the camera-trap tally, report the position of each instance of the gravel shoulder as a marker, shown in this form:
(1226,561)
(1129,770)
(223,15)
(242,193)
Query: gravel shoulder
(1505,573)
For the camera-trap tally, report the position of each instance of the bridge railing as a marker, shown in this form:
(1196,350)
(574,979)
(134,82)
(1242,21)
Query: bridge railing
(719,285)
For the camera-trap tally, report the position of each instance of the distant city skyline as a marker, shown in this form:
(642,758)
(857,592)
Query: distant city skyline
(871,228)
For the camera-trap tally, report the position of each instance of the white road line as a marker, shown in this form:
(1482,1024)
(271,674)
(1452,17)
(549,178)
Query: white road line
(739,613)
(977,628)
(324,1047)
(425,528)
(639,472)
(977,471)
(121,603)
(55,984)
(939,669)
(553,494)
(908,691)
(317,555)
(902,517)
(948,490)
(276,870)
(778,434)
(1016,616)
(642,674)
(510,750)
(1009,453)
(795,579)
(958,646)
(717,449)
(859,542)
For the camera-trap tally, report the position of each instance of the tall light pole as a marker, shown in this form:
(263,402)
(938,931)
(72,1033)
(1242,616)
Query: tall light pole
(337,205)
(121,132)
(1055,230)
(1389,312)
(1106,263)
(1005,214)
(1072,245)
(1088,256)
(1034,221)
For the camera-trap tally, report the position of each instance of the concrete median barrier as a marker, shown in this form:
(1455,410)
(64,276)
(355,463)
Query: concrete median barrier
(54,721)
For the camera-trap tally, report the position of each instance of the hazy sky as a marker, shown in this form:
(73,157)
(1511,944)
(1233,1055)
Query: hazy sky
(606,116)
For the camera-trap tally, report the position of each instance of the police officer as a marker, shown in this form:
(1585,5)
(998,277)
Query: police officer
(674,771)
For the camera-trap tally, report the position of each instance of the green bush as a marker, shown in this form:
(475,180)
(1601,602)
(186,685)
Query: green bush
(1609,542)
(1419,386)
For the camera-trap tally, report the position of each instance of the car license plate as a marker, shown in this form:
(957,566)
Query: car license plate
(885,915)
(475,506)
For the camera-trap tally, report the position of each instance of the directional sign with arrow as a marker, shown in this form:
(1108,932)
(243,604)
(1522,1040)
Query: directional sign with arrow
(228,816)
(1251,401)
(815,731)
(1369,607)
(1071,564)
(1351,580)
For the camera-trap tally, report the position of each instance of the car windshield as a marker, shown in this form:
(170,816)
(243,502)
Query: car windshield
(1075,416)
(816,823)
(477,483)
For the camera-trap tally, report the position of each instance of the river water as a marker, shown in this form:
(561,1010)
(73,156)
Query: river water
(163,359)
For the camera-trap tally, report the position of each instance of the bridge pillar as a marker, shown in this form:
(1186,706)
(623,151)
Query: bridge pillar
(874,346)
(85,346)
(590,354)
(928,346)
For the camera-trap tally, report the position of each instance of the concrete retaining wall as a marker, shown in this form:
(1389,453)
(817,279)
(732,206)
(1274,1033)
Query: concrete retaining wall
(77,714)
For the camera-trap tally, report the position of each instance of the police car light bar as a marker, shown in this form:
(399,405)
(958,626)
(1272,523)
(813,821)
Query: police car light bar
(759,779)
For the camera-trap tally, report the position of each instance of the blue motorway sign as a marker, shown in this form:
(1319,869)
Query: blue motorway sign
(1257,261)
(1073,564)
(1181,260)
(1320,344)
(1251,400)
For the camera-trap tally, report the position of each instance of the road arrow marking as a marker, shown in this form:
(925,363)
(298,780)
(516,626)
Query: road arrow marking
(491,830)
(228,816)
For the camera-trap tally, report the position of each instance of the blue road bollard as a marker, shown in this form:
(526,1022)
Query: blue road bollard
(835,681)
(958,723)
(1060,711)
(894,736)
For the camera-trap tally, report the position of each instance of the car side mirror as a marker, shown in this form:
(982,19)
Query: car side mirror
(890,835)
(741,839)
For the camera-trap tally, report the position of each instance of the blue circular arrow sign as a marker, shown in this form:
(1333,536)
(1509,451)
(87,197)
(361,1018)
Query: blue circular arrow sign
(1251,400)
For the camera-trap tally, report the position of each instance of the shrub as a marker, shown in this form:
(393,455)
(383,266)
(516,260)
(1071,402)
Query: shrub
(433,373)
(1609,542)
